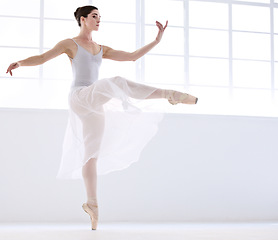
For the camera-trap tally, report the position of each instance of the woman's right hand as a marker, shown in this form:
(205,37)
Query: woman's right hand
(12,67)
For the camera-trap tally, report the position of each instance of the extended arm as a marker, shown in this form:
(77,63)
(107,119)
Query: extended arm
(59,48)
(112,54)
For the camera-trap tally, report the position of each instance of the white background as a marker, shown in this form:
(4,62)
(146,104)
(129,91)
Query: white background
(197,168)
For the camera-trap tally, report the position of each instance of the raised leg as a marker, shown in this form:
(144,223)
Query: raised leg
(141,91)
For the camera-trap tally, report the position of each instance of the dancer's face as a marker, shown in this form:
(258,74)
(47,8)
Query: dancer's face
(92,20)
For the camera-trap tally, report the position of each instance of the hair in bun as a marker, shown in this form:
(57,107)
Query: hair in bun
(83,12)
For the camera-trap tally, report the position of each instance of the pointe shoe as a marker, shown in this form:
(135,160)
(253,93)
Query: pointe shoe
(183,98)
(93,215)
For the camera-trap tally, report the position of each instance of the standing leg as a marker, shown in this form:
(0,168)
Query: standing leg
(89,172)
(93,128)
(92,118)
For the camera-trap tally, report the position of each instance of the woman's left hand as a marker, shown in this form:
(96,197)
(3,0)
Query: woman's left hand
(161,30)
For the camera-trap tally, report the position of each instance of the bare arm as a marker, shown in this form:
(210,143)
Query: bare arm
(59,48)
(112,54)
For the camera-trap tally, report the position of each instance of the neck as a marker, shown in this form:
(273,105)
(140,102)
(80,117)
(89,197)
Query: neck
(85,35)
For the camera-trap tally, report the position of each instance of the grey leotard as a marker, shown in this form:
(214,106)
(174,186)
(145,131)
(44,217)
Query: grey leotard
(85,67)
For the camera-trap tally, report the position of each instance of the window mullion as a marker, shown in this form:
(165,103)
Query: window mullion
(186,43)
(140,39)
(41,38)
(272,48)
(230,50)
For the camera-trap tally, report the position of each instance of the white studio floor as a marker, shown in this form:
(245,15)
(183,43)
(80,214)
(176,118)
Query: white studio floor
(146,231)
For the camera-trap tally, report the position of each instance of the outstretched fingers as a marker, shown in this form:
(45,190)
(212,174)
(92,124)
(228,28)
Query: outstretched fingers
(9,71)
(11,67)
(160,26)
(161,30)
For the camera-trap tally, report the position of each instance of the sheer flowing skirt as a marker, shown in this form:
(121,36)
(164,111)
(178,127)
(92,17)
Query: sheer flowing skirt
(107,121)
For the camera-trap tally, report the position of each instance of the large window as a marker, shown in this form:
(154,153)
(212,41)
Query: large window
(219,50)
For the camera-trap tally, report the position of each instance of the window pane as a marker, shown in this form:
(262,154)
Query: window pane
(253,102)
(53,33)
(172,42)
(276,76)
(58,68)
(22,32)
(114,35)
(160,69)
(114,68)
(209,98)
(54,94)
(208,77)
(208,43)
(10,55)
(118,11)
(276,102)
(251,46)
(20,93)
(276,20)
(28,8)
(276,47)
(208,15)
(209,72)
(246,18)
(251,74)
(164,10)
(62,9)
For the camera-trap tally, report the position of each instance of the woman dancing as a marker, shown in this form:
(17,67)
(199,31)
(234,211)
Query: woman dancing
(92,134)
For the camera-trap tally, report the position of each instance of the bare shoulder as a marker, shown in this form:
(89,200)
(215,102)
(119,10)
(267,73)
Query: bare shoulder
(66,43)
(105,50)
(68,46)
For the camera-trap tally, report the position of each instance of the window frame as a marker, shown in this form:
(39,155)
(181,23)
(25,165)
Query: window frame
(140,26)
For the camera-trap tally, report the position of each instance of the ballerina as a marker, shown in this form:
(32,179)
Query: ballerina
(84,143)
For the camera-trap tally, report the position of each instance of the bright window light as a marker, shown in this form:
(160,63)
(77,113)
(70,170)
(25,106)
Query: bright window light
(210,43)
(53,34)
(245,17)
(251,46)
(61,9)
(276,79)
(117,36)
(174,35)
(251,74)
(214,72)
(164,10)
(58,68)
(26,8)
(12,55)
(276,20)
(205,14)
(166,70)
(276,48)
(222,51)
(23,32)
(116,11)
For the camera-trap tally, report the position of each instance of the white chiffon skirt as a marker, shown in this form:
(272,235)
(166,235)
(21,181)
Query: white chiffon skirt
(109,121)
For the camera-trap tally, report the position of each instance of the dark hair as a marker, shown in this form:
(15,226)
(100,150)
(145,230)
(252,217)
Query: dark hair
(83,12)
